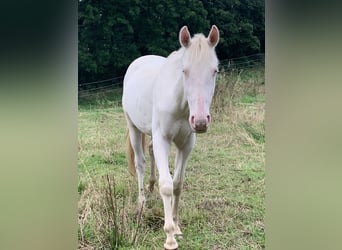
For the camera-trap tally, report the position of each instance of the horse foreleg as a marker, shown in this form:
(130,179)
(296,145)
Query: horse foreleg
(182,155)
(161,153)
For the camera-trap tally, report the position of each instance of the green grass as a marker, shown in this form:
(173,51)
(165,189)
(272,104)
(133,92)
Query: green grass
(252,98)
(222,204)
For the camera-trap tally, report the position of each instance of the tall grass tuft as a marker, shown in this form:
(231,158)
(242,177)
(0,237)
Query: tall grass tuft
(108,217)
(239,100)
(235,85)
(225,90)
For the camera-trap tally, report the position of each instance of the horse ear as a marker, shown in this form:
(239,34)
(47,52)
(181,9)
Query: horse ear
(184,37)
(214,36)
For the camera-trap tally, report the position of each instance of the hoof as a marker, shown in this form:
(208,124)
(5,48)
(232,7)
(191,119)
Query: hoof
(171,245)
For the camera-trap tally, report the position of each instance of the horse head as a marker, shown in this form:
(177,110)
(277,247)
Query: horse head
(200,66)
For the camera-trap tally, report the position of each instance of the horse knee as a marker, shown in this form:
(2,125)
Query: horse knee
(152,180)
(177,191)
(140,164)
(151,184)
(177,188)
(166,187)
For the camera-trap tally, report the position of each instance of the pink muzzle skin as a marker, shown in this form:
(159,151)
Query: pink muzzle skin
(200,124)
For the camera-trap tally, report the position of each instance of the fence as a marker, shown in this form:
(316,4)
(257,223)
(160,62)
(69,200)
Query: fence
(245,62)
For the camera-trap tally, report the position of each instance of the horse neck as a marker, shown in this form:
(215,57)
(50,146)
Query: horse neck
(181,96)
(178,88)
(170,88)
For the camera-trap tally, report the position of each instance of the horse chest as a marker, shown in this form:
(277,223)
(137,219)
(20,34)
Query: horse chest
(178,131)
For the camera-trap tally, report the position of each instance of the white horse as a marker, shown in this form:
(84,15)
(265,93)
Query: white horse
(169,99)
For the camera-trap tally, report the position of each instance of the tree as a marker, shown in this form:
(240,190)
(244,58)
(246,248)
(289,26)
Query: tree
(157,32)
(114,33)
(105,37)
(241,25)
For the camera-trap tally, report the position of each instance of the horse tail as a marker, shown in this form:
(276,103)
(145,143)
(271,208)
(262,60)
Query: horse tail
(143,143)
(130,153)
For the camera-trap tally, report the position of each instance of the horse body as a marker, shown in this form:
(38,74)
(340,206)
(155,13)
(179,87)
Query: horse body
(169,99)
(139,83)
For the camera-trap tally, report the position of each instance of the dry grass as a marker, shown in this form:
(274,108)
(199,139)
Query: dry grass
(222,205)
(107,215)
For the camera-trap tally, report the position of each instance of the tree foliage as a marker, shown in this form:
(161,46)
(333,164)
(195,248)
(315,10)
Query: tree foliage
(113,33)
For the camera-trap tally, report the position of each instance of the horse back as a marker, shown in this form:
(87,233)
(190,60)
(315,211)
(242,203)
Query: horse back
(138,87)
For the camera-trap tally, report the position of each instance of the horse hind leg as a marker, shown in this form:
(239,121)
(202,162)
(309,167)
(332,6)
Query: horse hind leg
(152,179)
(137,142)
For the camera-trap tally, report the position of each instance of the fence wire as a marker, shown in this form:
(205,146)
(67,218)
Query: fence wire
(91,88)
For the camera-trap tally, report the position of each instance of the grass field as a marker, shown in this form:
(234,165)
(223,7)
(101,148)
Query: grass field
(222,204)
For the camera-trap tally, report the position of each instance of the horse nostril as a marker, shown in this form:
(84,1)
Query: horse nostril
(208,118)
(192,120)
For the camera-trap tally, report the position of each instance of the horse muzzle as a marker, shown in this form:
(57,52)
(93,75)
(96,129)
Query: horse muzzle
(199,125)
